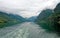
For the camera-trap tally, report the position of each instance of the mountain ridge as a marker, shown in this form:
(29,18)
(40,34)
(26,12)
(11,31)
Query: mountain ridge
(10,19)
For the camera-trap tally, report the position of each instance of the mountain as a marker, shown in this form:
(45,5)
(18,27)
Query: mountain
(32,19)
(56,16)
(50,20)
(17,17)
(44,19)
(9,19)
(57,9)
(44,14)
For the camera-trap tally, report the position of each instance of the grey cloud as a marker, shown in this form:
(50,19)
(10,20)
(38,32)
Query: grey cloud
(26,8)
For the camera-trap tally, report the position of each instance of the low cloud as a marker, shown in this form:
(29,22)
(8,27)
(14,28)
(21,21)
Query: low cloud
(26,8)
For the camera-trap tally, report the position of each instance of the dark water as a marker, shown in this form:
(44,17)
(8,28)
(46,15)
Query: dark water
(25,30)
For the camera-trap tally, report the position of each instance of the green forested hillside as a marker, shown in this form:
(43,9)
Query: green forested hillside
(9,19)
(48,20)
(43,20)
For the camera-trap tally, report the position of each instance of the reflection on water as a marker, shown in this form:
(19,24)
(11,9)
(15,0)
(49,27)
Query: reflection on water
(25,30)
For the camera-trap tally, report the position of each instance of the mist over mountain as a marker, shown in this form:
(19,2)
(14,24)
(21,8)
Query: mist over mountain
(32,19)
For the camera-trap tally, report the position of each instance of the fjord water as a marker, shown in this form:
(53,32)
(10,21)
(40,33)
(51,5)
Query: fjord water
(25,30)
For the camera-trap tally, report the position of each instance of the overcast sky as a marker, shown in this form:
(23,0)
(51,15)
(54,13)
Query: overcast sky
(26,8)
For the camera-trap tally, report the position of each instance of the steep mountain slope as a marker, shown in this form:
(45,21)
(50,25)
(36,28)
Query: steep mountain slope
(57,9)
(44,19)
(57,18)
(50,21)
(9,19)
(44,15)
